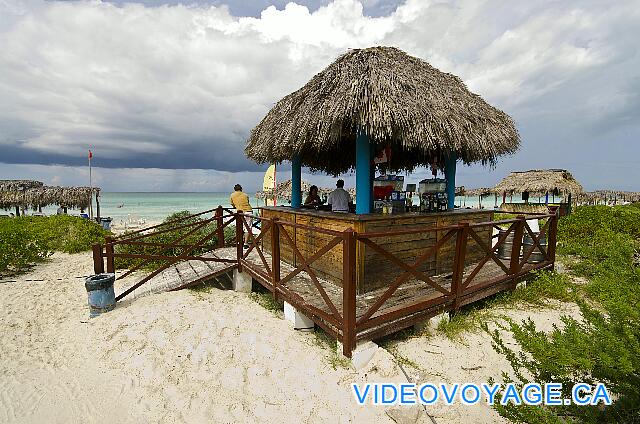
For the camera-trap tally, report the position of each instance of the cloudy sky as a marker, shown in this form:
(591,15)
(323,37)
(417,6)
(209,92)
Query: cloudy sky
(166,93)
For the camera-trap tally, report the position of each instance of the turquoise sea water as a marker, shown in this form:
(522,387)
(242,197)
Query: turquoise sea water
(156,206)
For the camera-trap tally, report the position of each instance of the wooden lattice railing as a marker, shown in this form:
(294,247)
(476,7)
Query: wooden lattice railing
(475,271)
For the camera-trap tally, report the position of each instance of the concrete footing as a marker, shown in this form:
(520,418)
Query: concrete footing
(362,354)
(299,320)
(242,281)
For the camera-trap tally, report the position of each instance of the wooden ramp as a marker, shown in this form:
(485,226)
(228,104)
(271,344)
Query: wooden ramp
(180,275)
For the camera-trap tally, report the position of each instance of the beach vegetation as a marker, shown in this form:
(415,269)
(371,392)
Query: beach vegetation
(264,298)
(159,242)
(334,357)
(27,240)
(603,346)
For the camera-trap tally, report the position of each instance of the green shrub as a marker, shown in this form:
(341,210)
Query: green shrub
(604,346)
(191,235)
(30,239)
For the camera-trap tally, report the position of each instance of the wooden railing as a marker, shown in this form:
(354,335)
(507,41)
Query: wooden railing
(159,259)
(475,270)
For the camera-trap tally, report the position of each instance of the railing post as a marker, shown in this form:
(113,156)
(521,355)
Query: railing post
(348,292)
(108,247)
(458,264)
(553,234)
(275,256)
(98,263)
(518,232)
(239,239)
(219,223)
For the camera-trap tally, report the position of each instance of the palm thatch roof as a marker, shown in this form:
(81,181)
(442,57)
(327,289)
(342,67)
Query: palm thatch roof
(539,182)
(481,191)
(397,100)
(18,185)
(629,196)
(39,195)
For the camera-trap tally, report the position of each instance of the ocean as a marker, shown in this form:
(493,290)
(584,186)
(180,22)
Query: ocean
(154,207)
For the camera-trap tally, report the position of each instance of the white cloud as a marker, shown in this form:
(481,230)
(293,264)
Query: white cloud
(181,87)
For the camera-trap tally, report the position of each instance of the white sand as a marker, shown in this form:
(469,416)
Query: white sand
(197,357)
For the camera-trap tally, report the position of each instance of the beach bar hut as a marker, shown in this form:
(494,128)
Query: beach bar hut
(545,184)
(368,100)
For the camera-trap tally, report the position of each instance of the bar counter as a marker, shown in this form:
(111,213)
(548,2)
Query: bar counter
(373,269)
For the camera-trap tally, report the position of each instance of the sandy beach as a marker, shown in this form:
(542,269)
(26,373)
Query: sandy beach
(212,356)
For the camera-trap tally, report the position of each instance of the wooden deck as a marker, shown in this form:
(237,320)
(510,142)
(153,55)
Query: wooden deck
(188,273)
(487,281)
(407,292)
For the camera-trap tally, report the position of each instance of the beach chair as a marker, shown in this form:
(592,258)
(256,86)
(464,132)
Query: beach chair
(133,222)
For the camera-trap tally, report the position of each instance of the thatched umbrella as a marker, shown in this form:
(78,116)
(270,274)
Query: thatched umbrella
(480,192)
(539,182)
(378,97)
(12,193)
(35,195)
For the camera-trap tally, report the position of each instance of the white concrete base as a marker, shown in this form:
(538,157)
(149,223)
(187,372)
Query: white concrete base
(298,319)
(242,281)
(362,354)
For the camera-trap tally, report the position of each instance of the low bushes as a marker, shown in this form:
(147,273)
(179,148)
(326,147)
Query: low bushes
(30,239)
(171,236)
(603,347)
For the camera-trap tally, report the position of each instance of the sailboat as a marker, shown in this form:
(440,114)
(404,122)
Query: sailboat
(269,186)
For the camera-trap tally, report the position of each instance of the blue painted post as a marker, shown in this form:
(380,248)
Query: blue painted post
(364,180)
(450,175)
(296,182)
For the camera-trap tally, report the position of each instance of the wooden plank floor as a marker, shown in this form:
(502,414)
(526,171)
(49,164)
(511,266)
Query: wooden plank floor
(177,276)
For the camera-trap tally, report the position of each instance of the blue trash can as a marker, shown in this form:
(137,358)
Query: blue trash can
(100,292)
(106,223)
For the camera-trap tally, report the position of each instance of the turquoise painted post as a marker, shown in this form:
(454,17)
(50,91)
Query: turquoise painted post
(450,175)
(364,180)
(296,182)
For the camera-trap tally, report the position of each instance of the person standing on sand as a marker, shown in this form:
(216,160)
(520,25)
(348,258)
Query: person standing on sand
(240,201)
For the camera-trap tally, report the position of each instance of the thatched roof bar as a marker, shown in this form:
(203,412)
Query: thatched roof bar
(397,100)
(539,182)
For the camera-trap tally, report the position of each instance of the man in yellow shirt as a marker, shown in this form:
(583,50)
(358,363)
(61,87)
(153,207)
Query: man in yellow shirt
(240,201)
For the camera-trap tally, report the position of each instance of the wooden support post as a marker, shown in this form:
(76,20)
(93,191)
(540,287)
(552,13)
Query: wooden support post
(553,234)
(108,247)
(98,263)
(458,264)
(348,292)
(275,256)
(98,206)
(518,232)
(219,224)
(239,239)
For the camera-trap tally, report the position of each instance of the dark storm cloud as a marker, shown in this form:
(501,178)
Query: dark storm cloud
(180,87)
